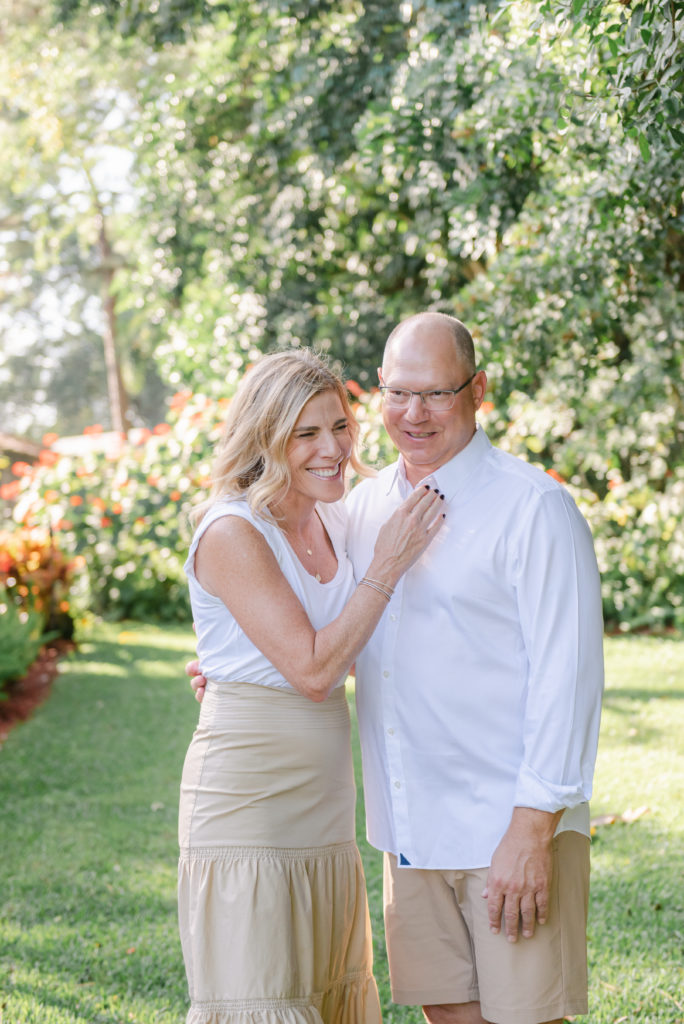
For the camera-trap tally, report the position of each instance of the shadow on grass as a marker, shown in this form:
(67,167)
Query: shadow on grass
(637,901)
(615,695)
(94,939)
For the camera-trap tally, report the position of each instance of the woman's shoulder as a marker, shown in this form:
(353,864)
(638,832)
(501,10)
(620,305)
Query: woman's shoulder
(231,513)
(228,506)
(231,521)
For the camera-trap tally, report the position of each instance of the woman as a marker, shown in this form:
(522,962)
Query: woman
(272,905)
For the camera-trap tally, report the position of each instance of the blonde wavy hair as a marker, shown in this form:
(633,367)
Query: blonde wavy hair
(250,460)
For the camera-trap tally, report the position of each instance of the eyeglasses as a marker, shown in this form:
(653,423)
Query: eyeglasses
(442,399)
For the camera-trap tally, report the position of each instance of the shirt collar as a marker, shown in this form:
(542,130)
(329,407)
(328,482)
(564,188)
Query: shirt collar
(450,477)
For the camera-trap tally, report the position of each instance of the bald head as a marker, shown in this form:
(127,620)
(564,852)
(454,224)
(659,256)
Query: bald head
(426,329)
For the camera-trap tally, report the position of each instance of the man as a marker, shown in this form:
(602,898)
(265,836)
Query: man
(478,702)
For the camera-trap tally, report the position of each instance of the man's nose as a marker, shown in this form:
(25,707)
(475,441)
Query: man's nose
(415,410)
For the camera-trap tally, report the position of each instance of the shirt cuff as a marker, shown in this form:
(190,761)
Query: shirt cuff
(533,791)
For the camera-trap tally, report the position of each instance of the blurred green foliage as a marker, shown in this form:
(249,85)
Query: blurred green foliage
(22,634)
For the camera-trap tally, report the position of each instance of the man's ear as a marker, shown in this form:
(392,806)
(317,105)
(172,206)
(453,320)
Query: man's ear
(479,388)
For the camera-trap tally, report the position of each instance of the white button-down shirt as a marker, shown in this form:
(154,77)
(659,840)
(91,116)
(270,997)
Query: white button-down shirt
(480,689)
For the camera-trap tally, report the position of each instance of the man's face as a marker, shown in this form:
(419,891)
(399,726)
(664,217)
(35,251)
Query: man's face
(423,357)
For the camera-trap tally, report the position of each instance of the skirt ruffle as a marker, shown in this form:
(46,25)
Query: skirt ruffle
(276,936)
(355,1002)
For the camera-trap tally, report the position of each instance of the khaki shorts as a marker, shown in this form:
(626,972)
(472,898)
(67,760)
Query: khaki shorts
(440,948)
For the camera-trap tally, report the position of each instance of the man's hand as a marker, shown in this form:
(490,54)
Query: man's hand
(519,878)
(197,681)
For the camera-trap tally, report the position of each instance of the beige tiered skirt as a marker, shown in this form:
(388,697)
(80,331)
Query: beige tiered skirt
(272,902)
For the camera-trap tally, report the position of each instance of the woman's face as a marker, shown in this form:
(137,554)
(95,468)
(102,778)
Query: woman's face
(319,449)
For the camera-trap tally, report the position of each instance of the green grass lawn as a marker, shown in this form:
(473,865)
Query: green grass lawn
(88,851)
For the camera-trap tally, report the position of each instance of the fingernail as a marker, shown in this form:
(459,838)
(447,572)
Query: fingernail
(443,515)
(436,490)
(442,497)
(427,487)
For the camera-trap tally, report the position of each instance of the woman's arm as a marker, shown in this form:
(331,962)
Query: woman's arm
(235,563)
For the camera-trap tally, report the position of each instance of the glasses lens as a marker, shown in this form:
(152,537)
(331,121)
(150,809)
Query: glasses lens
(396,397)
(437,400)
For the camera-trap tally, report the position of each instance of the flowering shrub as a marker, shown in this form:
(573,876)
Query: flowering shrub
(121,509)
(637,523)
(122,512)
(35,576)
(376,448)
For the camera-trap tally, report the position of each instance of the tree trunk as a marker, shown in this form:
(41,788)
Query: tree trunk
(118,398)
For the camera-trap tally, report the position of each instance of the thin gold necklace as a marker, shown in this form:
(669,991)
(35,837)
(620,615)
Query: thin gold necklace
(309,550)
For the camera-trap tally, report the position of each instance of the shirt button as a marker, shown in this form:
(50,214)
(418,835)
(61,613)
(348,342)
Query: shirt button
(393,617)
(390,732)
(385,674)
(397,784)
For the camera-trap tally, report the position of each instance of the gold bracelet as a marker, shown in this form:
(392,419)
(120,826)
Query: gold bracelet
(368,583)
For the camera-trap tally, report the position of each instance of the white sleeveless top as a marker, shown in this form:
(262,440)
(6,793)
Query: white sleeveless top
(224,652)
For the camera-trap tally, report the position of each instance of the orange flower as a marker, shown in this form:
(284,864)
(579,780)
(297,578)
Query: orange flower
(162,428)
(105,521)
(175,495)
(96,428)
(99,503)
(180,399)
(152,480)
(75,500)
(48,458)
(354,389)
(50,495)
(11,490)
(556,475)
(49,439)
(487,407)
(64,606)
(20,468)
(117,509)
(64,524)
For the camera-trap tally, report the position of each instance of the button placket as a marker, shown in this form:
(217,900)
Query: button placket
(397,788)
